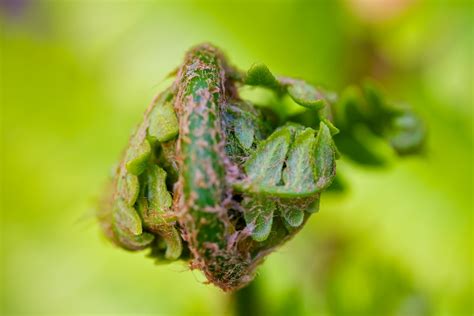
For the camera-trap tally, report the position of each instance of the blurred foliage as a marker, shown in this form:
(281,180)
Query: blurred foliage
(77,75)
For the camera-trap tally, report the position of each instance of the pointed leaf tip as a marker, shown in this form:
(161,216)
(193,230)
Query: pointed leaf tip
(306,95)
(260,75)
(325,157)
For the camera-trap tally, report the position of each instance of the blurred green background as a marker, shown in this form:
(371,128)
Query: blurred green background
(76,77)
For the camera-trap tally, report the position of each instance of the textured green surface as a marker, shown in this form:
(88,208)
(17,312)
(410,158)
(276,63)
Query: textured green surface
(137,156)
(264,166)
(154,206)
(260,75)
(305,94)
(202,168)
(258,214)
(325,157)
(163,123)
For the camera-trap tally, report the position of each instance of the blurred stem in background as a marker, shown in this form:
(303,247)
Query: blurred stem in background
(248,300)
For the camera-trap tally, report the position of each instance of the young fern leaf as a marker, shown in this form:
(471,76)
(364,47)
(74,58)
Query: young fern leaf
(209,178)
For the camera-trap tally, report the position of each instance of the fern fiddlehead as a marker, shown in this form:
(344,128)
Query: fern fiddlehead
(210,178)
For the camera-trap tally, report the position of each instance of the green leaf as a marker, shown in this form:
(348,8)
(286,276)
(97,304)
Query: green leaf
(265,172)
(132,242)
(325,157)
(137,157)
(293,216)
(128,187)
(333,129)
(350,108)
(375,98)
(305,94)
(163,122)
(299,175)
(127,218)
(157,193)
(264,166)
(355,147)
(154,207)
(378,113)
(244,131)
(407,134)
(260,75)
(258,214)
